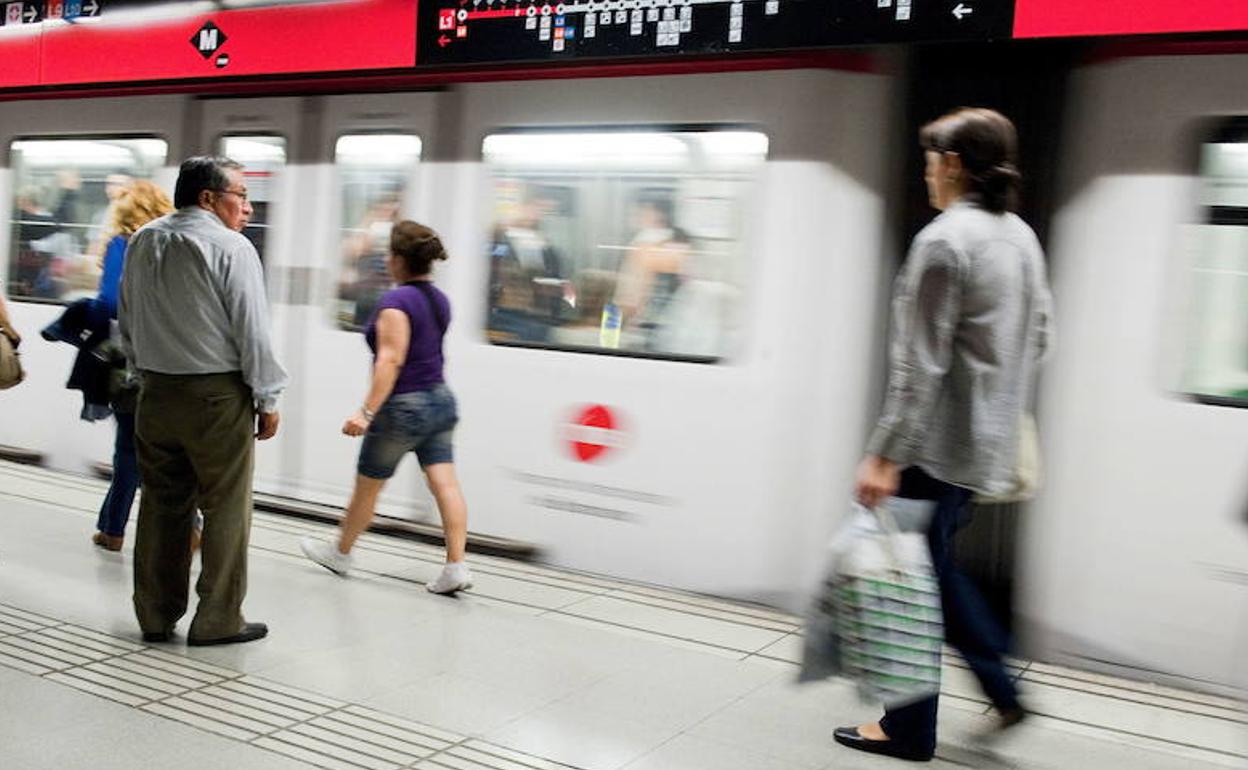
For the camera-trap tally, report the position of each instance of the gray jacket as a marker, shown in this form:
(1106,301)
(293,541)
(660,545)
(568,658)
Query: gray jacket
(193,302)
(972,319)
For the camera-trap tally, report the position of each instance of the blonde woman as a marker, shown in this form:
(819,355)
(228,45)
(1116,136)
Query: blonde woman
(139,203)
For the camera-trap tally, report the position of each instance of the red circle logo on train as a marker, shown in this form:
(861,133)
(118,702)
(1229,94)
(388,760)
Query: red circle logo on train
(593,432)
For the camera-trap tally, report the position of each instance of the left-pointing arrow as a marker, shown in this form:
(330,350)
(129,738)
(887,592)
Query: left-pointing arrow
(962,10)
(444,41)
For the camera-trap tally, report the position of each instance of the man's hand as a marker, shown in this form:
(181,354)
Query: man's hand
(878,480)
(266,425)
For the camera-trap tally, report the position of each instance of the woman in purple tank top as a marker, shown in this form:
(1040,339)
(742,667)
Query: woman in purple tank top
(408,407)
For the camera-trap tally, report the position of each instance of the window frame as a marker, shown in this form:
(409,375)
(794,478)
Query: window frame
(747,235)
(218,148)
(55,137)
(1226,129)
(338,190)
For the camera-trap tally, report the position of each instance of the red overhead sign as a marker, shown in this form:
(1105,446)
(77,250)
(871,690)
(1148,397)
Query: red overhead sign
(131,42)
(1093,18)
(78,42)
(19,57)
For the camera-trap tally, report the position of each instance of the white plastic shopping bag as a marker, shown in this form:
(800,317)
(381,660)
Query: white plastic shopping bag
(876,618)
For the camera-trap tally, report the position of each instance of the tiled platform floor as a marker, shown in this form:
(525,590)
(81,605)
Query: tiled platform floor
(534,669)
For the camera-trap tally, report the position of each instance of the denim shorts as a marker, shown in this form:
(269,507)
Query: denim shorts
(422,421)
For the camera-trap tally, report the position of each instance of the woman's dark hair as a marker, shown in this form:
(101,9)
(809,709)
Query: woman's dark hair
(987,144)
(202,172)
(418,246)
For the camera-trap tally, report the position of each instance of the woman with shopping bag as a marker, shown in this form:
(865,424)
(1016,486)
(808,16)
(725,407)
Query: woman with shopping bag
(971,322)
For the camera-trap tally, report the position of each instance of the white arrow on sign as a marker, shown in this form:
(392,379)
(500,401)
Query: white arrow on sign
(31,14)
(89,8)
(962,10)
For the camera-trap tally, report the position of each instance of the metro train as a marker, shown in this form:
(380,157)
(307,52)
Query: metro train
(698,425)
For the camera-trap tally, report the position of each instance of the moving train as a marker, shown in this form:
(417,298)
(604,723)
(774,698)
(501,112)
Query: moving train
(671,375)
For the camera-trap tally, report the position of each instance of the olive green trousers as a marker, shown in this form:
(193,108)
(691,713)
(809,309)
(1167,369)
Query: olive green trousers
(195,440)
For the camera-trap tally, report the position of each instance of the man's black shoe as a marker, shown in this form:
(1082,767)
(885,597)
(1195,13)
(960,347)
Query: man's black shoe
(250,633)
(849,736)
(157,637)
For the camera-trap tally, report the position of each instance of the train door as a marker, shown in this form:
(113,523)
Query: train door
(675,313)
(369,175)
(261,134)
(63,163)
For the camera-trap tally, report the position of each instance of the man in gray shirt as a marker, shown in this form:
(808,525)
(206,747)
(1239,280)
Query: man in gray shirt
(195,321)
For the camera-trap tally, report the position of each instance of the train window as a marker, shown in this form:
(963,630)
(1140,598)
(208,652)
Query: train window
(60,214)
(1216,365)
(263,157)
(373,174)
(620,241)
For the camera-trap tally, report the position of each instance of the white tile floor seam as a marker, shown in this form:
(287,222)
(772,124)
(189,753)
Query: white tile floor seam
(730,672)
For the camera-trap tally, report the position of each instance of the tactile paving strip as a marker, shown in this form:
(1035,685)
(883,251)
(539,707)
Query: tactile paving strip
(481,755)
(311,728)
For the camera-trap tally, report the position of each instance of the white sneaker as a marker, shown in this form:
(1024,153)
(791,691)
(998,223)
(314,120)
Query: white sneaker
(455,577)
(326,554)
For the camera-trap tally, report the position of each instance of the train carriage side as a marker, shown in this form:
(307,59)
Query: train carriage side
(1134,552)
(667,299)
(708,444)
(59,158)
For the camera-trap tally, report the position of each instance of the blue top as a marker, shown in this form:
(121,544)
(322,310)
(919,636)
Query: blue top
(423,368)
(110,282)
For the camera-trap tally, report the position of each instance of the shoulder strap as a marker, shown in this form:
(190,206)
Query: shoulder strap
(426,288)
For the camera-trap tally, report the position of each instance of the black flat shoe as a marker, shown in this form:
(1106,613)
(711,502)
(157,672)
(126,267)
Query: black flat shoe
(157,637)
(849,736)
(250,633)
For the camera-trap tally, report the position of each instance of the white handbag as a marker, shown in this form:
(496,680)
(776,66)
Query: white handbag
(1025,484)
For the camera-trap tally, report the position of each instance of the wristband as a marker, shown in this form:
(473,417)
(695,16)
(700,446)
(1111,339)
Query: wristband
(368,413)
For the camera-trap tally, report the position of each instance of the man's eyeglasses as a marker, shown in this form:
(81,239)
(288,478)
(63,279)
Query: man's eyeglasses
(242,194)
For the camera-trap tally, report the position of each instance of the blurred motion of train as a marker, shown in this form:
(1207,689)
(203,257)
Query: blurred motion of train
(670,298)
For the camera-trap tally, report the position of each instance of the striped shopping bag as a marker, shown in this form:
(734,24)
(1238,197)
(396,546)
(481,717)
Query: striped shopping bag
(877,619)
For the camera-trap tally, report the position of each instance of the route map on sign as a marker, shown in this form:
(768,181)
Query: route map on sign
(471,31)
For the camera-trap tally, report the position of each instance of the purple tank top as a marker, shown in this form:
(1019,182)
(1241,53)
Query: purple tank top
(429,312)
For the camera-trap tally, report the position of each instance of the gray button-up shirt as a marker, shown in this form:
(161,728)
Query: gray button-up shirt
(193,302)
(971,322)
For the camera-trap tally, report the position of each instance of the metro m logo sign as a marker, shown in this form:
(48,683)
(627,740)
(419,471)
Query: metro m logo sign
(208,39)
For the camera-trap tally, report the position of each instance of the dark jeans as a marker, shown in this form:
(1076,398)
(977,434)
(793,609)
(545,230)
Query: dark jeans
(115,511)
(969,625)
